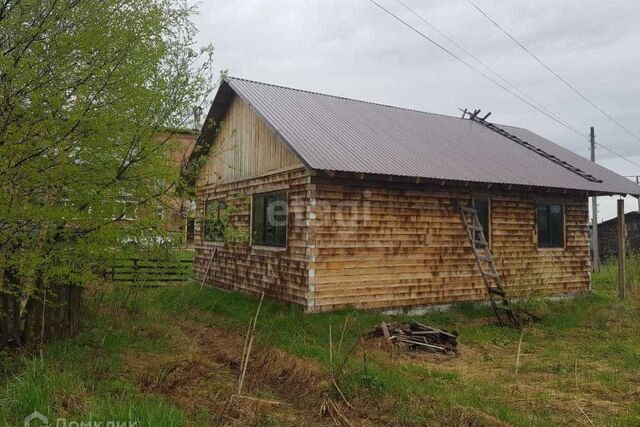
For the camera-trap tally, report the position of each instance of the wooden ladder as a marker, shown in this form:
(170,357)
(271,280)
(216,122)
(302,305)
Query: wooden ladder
(497,295)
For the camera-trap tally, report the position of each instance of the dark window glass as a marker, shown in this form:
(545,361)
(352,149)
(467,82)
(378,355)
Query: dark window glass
(269,219)
(550,225)
(190,230)
(215,221)
(481,205)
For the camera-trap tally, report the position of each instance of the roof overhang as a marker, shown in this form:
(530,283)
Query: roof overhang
(472,185)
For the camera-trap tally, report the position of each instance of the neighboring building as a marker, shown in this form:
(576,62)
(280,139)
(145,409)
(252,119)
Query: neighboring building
(608,235)
(350,203)
(179,215)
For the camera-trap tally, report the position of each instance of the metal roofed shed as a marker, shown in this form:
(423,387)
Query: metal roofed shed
(386,207)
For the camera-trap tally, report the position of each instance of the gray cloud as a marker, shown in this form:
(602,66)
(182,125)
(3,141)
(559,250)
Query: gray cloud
(351,48)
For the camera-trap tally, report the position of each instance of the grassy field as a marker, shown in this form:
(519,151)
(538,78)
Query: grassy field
(171,357)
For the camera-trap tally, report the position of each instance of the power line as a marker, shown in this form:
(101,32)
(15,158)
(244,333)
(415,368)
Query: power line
(618,154)
(558,120)
(492,71)
(523,47)
(421,34)
(466,51)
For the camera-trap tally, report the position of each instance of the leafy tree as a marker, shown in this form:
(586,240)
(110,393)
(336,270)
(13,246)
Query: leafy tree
(85,88)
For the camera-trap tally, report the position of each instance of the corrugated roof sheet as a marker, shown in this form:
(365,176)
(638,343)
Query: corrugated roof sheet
(341,134)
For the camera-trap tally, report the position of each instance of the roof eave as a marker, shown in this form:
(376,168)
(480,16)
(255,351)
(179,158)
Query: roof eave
(361,176)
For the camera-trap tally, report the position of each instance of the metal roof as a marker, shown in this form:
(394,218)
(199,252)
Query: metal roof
(340,134)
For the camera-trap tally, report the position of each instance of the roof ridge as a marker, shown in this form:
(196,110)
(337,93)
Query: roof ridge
(344,98)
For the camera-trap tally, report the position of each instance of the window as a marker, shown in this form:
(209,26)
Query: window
(191,227)
(550,218)
(215,218)
(269,219)
(481,205)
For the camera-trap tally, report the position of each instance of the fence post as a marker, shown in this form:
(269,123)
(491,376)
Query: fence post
(135,271)
(622,231)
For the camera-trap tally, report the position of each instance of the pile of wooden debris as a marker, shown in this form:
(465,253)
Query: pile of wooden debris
(415,336)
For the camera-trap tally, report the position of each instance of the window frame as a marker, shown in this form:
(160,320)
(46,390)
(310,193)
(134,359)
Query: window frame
(562,204)
(264,245)
(220,201)
(488,232)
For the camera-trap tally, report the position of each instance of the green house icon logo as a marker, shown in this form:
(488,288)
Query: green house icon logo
(36,419)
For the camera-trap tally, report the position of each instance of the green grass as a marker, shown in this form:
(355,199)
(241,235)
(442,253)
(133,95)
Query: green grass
(79,379)
(585,352)
(304,335)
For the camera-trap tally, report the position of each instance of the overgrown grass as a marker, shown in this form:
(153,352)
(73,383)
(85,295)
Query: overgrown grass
(581,361)
(594,331)
(80,379)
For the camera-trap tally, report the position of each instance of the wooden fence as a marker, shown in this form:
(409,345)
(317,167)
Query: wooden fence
(51,312)
(151,271)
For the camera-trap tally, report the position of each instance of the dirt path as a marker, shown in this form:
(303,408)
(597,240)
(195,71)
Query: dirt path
(204,376)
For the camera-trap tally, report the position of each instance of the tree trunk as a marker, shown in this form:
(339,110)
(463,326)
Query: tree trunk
(9,310)
(33,314)
(4,312)
(75,302)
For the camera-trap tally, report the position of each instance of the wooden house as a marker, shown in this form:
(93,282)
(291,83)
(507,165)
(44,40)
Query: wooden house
(335,202)
(608,235)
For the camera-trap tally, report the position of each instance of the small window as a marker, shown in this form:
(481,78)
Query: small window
(191,227)
(269,219)
(481,205)
(214,221)
(550,218)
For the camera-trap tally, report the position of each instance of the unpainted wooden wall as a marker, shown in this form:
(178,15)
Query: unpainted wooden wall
(247,158)
(244,147)
(379,247)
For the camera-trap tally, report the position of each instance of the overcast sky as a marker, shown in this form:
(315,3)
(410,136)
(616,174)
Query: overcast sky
(353,49)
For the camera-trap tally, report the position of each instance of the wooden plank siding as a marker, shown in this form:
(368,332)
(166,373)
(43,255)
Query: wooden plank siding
(377,247)
(247,158)
(244,147)
(280,272)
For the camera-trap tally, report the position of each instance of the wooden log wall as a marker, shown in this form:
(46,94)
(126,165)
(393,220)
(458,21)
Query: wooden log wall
(280,272)
(374,246)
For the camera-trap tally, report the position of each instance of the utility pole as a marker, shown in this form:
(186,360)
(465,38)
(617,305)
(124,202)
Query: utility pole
(638,183)
(622,233)
(594,210)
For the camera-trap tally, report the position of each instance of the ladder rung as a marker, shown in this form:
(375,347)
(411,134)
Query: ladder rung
(483,243)
(490,274)
(468,210)
(485,258)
